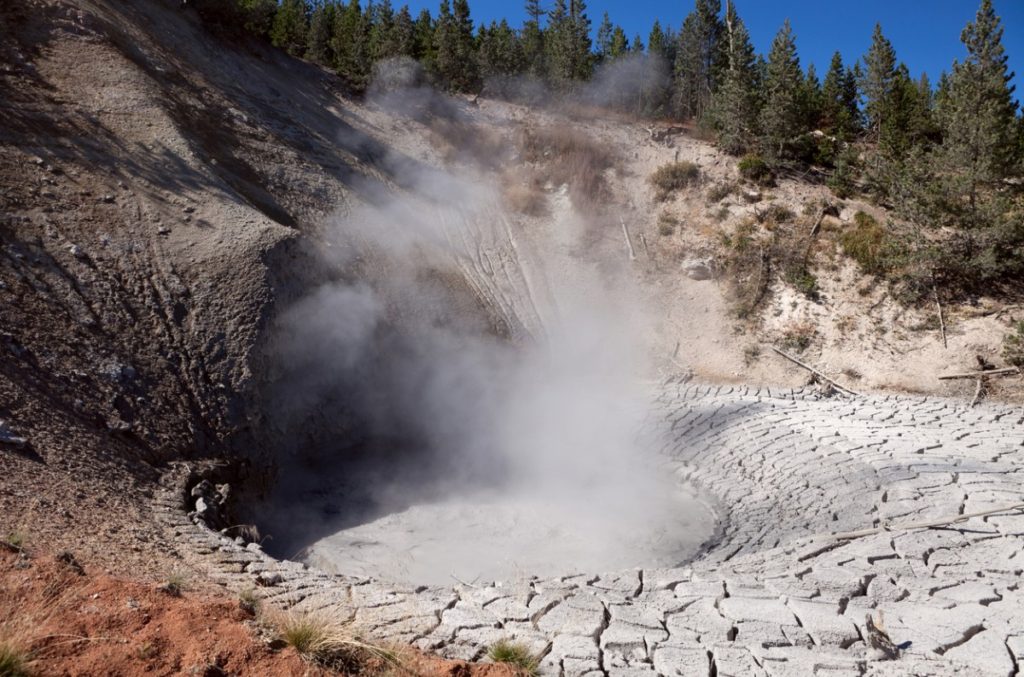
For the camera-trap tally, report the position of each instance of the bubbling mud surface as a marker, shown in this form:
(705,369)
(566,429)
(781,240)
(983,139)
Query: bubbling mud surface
(484,538)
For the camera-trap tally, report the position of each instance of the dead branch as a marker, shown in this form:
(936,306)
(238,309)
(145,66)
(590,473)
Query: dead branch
(931,524)
(977,393)
(629,242)
(981,374)
(942,319)
(814,232)
(814,371)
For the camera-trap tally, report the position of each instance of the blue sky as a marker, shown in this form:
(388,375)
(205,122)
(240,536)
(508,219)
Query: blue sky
(925,33)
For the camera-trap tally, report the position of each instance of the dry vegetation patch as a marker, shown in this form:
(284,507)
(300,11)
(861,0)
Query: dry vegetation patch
(562,155)
(673,176)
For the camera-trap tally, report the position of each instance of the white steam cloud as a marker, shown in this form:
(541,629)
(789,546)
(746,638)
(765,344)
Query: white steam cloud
(463,355)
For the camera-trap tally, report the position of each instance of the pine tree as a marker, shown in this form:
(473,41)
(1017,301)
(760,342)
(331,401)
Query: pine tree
(978,114)
(383,43)
(405,33)
(781,117)
(423,40)
(700,58)
(604,38)
(908,119)
(657,42)
(734,112)
(839,111)
(619,44)
(877,80)
(499,51)
(637,47)
(567,43)
(318,44)
(258,16)
(291,25)
(453,39)
(532,39)
(582,59)
(811,99)
(351,45)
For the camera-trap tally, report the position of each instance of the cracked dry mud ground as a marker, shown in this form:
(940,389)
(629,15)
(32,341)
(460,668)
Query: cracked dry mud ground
(776,596)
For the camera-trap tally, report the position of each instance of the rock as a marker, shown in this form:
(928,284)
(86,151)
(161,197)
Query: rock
(268,580)
(697,269)
(108,199)
(69,560)
(7,436)
(76,251)
(204,488)
(751,196)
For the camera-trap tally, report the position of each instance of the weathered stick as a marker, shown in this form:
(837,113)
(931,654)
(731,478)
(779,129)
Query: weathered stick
(981,374)
(629,242)
(643,241)
(977,393)
(847,535)
(942,319)
(815,372)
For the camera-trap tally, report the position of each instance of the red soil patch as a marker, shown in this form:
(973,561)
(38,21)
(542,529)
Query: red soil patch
(95,624)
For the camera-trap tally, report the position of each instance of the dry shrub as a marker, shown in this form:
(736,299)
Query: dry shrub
(1013,346)
(567,156)
(774,214)
(673,176)
(667,224)
(754,256)
(719,191)
(799,335)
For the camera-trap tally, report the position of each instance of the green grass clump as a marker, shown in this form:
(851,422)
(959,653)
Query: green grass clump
(13,662)
(754,168)
(517,656)
(865,243)
(673,176)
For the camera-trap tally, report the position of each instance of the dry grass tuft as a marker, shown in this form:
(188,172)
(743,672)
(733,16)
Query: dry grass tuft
(515,655)
(328,639)
(176,584)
